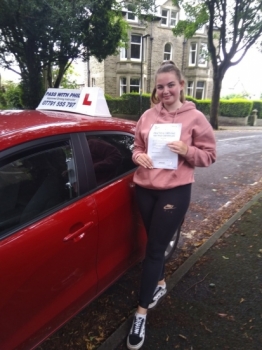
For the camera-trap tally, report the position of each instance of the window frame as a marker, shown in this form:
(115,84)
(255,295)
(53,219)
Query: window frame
(121,85)
(106,133)
(130,12)
(173,18)
(85,183)
(134,44)
(164,17)
(192,54)
(202,46)
(123,53)
(168,53)
(190,88)
(135,85)
(199,88)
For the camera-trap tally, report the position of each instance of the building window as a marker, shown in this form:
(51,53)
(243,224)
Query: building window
(190,88)
(173,19)
(164,19)
(123,53)
(134,85)
(123,87)
(93,82)
(192,54)
(202,57)
(168,18)
(128,85)
(136,47)
(130,16)
(168,52)
(200,90)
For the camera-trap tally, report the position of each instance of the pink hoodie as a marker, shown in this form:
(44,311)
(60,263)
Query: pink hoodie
(196,132)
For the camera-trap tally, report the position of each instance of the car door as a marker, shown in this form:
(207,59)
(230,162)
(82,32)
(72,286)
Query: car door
(121,233)
(48,246)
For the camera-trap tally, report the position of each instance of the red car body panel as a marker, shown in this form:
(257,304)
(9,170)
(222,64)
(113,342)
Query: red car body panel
(53,267)
(17,127)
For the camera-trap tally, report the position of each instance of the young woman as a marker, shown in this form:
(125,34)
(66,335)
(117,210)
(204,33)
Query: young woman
(164,194)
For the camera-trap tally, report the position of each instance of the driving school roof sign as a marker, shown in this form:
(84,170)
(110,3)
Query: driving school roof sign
(90,101)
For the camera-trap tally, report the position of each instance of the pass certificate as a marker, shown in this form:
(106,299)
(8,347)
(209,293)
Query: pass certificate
(158,151)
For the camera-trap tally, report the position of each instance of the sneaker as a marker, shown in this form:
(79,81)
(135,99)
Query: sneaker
(159,292)
(136,336)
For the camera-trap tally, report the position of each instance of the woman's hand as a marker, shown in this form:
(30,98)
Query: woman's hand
(178,147)
(144,160)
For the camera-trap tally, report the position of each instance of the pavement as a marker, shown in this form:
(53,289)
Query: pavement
(240,127)
(214,298)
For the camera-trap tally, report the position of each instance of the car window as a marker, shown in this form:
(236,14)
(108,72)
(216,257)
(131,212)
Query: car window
(34,182)
(111,155)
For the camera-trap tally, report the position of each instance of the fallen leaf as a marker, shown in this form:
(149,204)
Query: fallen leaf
(222,315)
(224,257)
(207,329)
(182,336)
(231,318)
(242,300)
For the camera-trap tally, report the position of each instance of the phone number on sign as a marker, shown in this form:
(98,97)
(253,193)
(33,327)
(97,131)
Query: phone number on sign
(59,104)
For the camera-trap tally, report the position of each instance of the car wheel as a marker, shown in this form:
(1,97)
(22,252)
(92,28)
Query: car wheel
(172,244)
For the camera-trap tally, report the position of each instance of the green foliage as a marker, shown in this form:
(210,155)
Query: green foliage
(197,16)
(129,104)
(38,34)
(10,96)
(69,78)
(236,108)
(257,104)
(204,106)
(233,26)
(243,95)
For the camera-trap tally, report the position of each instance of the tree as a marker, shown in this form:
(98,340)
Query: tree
(243,95)
(10,95)
(239,24)
(38,34)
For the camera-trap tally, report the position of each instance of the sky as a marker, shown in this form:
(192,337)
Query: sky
(244,77)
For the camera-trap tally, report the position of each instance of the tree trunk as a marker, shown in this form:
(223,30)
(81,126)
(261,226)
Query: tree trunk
(62,67)
(214,108)
(32,90)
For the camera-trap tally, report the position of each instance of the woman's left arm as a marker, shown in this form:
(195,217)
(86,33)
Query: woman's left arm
(202,151)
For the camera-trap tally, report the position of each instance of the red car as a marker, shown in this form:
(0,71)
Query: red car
(69,225)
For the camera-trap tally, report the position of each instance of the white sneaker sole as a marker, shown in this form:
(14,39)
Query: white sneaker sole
(135,347)
(153,304)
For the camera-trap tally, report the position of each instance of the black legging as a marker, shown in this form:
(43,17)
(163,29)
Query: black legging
(162,212)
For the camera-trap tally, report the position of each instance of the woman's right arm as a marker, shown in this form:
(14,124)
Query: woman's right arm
(140,156)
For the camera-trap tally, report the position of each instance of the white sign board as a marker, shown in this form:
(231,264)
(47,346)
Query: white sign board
(89,100)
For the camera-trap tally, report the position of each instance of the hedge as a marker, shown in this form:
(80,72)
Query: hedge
(130,104)
(258,106)
(236,108)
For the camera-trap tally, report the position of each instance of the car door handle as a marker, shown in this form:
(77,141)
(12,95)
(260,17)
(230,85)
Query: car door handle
(78,234)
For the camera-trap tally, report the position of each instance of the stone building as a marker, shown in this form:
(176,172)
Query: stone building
(150,43)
